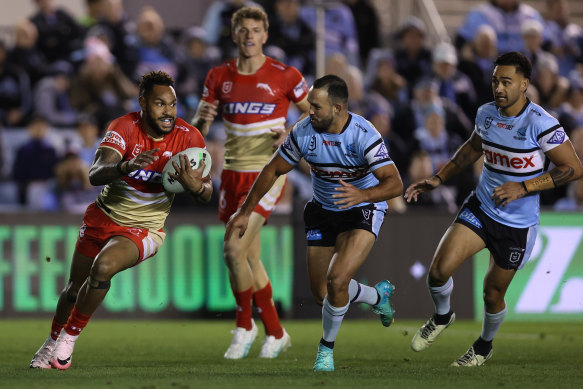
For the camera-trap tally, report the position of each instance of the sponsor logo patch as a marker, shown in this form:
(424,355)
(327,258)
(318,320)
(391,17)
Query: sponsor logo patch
(249,108)
(115,138)
(469,217)
(314,235)
(557,138)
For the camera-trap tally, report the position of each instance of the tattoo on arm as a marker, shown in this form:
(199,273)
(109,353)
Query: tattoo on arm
(561,177)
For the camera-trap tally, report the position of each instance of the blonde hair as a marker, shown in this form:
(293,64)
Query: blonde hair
(254,13)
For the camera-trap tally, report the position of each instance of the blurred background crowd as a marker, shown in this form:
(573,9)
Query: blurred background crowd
(63,79)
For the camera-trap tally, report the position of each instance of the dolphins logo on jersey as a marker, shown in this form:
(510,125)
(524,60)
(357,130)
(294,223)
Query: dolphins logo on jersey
(265,87)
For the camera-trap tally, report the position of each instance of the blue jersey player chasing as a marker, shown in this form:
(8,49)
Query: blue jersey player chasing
(518,140)
(352,177)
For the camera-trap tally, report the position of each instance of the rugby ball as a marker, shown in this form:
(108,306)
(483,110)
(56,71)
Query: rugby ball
(195,156)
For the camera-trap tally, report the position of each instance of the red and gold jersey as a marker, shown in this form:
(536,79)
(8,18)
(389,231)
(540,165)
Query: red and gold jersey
(251,106)
(138,199)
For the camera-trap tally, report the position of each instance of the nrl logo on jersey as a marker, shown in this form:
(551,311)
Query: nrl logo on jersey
(227,86)
(488,122)
(137,150)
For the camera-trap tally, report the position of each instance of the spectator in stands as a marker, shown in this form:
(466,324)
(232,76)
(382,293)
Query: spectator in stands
(413,59)
(198,59)
(100,88)
(289,32)
(341,35)
(217,24)
(156,50)
(552,87)
(33,167)
(442,197)
(425,99)
(74,190)
(505,16)
(95,11)
(573,106)
(532,36)
(58,33)
(433,138)
(477,62)
(88,139)
(453,84)
(51,96)
(15,93)
(564,37)
(25,54)
(382,77)
(367,26)
(121,33)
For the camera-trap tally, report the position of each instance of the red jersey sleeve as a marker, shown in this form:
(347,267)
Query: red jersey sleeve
(118,135)
(209,90)
(298,86)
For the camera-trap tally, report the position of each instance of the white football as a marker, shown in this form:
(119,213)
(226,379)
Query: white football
(195,155)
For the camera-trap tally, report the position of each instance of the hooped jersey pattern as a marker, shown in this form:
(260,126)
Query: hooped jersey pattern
(138,199)
(514,150)
(251,106)
(351,155)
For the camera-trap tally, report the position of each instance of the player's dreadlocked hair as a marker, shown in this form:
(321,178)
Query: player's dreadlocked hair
(519,60)
(254,13)
(154,78)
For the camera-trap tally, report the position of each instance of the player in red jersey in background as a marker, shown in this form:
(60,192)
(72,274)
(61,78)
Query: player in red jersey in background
(124,226)
(253,92)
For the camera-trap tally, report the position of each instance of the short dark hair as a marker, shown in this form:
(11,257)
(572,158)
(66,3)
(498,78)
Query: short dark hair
(516,59)
(154,78)
(335,86)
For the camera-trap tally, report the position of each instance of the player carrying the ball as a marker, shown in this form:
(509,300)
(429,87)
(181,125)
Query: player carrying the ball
(124,226)
(253,92)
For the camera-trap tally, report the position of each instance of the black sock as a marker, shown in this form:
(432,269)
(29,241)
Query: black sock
(330,345)
(482,347)
(442,319)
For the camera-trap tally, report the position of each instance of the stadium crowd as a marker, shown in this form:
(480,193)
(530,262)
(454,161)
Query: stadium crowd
(63,80)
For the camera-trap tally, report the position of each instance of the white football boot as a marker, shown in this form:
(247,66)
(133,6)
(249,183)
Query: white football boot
(426,335)
(41,359)
(242,341)
(470,359)
(272,347)
(63,354)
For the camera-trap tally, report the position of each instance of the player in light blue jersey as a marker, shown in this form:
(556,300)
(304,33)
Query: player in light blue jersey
(518,140)
(353,177)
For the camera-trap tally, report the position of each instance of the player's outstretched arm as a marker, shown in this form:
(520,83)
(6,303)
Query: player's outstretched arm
(108,166)
(567,168)
(280,133)
(466,155)
(390,185)
(269,174)
(205,114)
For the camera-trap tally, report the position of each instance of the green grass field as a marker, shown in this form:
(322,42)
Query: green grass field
(189,354)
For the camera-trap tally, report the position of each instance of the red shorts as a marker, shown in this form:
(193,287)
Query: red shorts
(98,228)
(234,189)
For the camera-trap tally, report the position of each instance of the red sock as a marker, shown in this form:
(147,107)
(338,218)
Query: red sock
(244,312)
(56,328)
(77,321)
(263,302)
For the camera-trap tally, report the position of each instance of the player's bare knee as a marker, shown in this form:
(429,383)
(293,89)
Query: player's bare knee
(493,298)
(337,283)
(102,270)
(437,277)
(95,283)
(232,251)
